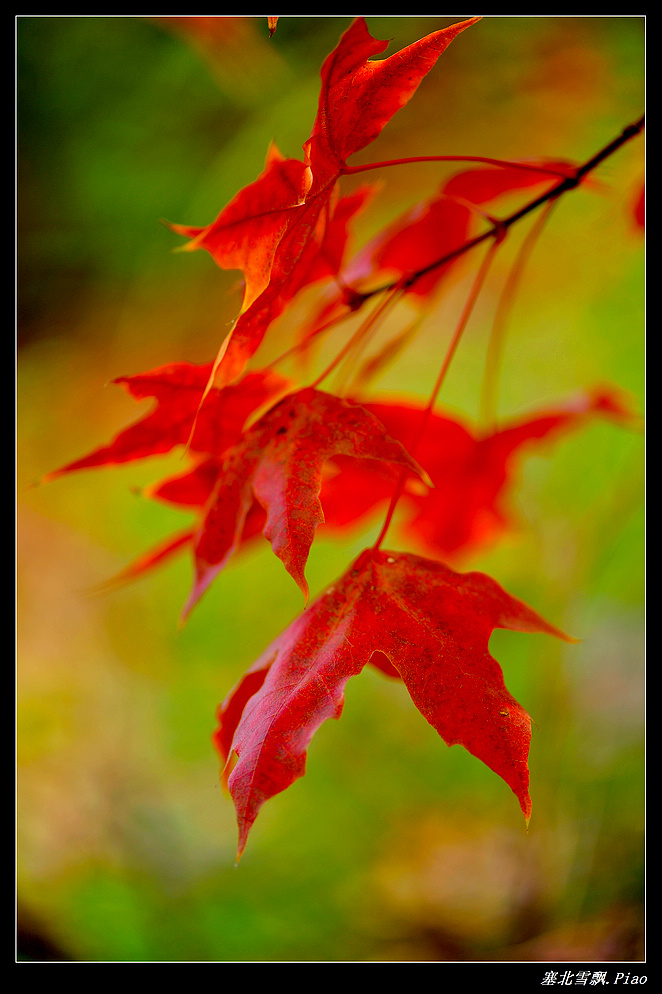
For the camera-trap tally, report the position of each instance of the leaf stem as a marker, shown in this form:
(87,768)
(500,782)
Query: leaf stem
(567,183)
(488,403)
(497,231)
(450,352)
(304,344)
(362,331)
(484,160)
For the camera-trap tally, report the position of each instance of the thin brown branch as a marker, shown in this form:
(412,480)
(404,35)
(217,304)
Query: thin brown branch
(496,230)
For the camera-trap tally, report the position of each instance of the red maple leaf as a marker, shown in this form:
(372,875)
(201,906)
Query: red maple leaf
(428,232)
(413,619)
(359,97)
(439,226)
(274,227)
(278,463)
(177,389)
(474,477)
(247,232)
(283,238)
(474,474)
(157,556)
(431,625)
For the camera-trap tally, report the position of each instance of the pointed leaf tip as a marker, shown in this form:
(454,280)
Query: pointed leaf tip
(278,464)
(432,624)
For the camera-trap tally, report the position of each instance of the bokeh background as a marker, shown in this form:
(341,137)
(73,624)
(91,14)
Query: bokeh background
(393,847)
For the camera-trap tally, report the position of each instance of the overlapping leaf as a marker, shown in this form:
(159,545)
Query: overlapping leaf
(278,464)
(430,624)
(474,474)
(274,227)
(248,231)
(439,226)
(412,618)
(177,389)
(430,231)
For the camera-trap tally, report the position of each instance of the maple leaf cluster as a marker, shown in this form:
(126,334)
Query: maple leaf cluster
(270,457)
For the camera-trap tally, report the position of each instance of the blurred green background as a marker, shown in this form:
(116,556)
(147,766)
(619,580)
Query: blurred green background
(393,847)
